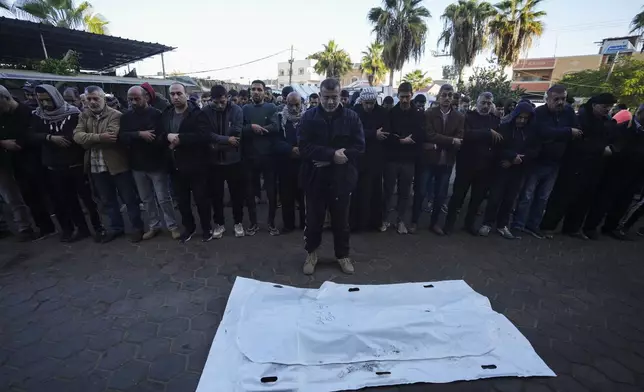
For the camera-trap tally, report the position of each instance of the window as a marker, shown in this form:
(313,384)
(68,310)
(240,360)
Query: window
(300,71)
(281,73)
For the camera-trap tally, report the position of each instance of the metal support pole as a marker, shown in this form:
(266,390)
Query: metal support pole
(290,67)
(44,48)
(162,65)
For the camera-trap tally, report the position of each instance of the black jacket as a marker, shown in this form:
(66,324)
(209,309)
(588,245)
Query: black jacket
(523,141)
(54,156)
(15,125)
(224,124)
(478,147)
(321,134)
(598,133)
(143,155)
(194,134)
(555,131)
(371,122)
(400,124)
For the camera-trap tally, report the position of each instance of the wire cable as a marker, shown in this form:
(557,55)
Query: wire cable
(232,66)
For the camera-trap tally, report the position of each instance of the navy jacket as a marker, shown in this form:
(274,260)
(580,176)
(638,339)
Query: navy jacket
(555,131)
(143,155)
(518,141)
(320,135)
(478,146)
(195,136)
(401,124)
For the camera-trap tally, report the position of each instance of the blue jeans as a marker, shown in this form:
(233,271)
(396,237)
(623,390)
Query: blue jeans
(106,186)
(534,196)
(431,181)
(154,189)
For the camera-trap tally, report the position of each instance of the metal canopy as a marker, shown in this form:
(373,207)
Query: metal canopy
(20,42)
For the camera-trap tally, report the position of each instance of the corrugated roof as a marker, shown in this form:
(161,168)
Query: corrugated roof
(20,42)
(82,78)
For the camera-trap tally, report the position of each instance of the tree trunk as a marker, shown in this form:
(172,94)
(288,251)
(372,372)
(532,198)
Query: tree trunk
(391,78)
(370,78)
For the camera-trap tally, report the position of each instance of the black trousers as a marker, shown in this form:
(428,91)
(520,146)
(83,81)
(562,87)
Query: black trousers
(233,175)
(291,192)
(33,186)
(505,188)
(572,196)
(195,184)
(68,186)
(367,200)
(265,167)
(614,194)
(317,203)
(478,179)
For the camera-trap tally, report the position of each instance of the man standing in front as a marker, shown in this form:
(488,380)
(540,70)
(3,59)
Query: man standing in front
(259,133)
(405,126)
(189,135)
(149,159)
(226,121)
(97,131)
(474,162)
(556,125)
(444,133)
(330,142)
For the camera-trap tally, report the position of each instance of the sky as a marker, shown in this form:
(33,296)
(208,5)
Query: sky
(213,34)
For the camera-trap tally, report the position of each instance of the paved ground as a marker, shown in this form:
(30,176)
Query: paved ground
(123,317)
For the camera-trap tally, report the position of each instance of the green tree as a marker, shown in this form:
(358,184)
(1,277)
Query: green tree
(637,25)
(402,28)
(332,61)
(372,64)
(494,80)
(514,27)
(62,13)
(418,79)
(626,81)
(465,31)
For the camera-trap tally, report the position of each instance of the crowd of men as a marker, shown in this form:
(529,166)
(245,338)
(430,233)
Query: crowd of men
(347,158)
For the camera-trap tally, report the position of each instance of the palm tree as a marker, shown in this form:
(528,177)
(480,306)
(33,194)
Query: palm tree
(418,79)
(62,13)
(637,25)
(401,27)
(332,61)
(372,64)
(465,31)
(514,27)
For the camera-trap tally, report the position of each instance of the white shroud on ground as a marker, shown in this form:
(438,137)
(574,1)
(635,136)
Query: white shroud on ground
(344,337)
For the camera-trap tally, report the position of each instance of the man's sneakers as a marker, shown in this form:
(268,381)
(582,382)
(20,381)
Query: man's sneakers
(136,236)
(309,264)
(239,230)
(347,265)
(412,229)
(401,228)
(272,230)
(175,233)
(186,236)
(148,235)
(484,231)
(436,229)
(218,232)
(640,232)
(507,234)
(252,230)
(207,236)
(384,226)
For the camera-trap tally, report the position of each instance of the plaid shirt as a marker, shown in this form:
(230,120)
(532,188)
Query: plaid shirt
(97,162)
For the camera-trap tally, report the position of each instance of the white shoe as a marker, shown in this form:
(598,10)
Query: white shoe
(239,230)
(218,231)
(309,265)
(401,229)
(384,226)
(484,231)
(346,265)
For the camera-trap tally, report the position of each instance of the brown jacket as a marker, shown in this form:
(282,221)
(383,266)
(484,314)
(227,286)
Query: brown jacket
(87,132)
(440,136)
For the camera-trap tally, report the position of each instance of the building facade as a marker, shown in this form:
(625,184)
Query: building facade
(538,74)
(303,73)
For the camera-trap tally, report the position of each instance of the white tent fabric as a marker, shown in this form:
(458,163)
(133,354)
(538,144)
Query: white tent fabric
(261,321)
